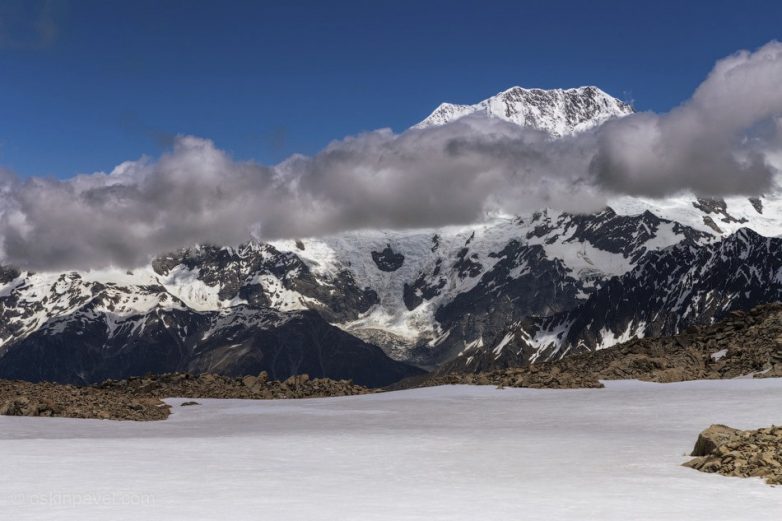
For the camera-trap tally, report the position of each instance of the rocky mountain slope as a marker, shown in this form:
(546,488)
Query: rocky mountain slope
(92,345)
(667,292)
(506,291)
(743,344)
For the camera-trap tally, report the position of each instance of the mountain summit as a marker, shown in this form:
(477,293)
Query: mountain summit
(559,112)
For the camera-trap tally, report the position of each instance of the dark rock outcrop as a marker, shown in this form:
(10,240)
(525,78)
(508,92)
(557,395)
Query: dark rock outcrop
(388,259)
(236,341)
(667,292)
(235,270)
(757,204)
(719,208)
(8,273)
(745,343)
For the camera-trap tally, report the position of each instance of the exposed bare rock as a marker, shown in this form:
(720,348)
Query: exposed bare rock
(732,452)
(756,203)
(533,377)
(719,208)
(140,398)
(744,343)
(185,385)
(48,399)
(388,259)
(710,439)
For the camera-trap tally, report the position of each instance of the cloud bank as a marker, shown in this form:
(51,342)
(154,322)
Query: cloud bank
(719,142)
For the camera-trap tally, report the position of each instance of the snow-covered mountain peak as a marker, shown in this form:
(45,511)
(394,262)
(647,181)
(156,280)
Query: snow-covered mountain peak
(557,111)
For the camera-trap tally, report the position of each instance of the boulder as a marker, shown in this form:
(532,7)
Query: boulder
(731,452)
(711,438)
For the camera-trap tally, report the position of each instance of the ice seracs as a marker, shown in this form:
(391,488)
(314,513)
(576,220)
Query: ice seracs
(557,111)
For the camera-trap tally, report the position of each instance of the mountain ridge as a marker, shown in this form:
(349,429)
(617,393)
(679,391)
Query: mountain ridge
(429,297)
(559,112)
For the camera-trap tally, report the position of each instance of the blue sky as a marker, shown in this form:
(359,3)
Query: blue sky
(86,85)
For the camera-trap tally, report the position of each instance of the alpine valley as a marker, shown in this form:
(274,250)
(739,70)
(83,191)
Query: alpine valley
(376,306)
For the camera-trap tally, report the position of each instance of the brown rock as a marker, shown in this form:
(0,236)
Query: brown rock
(712,438)
(732,452)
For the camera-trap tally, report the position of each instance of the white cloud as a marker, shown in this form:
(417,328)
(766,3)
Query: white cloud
(717,143)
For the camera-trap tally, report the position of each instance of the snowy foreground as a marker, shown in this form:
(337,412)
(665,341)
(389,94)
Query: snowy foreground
(447,453)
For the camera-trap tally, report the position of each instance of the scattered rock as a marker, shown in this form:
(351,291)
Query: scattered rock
(733,452)
(19,398)
(141,398)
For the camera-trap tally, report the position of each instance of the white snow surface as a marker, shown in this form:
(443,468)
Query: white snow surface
(680,209)
(328,255)
(446,453)
(558,112)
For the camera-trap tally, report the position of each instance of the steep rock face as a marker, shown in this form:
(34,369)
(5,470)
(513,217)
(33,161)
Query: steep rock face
(667,292)
(682,286)
(523,282)
(743,344)
(558,112)
(555,264)
(262,275)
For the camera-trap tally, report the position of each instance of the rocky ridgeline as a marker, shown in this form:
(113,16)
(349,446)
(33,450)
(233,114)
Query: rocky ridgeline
(140,398)
(536,376)
(744,343)
(185,385)
(733,452)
